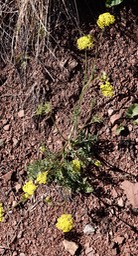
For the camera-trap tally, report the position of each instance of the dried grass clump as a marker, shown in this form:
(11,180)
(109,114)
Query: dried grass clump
(28,25)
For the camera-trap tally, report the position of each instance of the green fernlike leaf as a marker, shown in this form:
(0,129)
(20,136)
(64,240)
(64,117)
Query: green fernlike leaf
(110,3)
(136,121)
(132,111)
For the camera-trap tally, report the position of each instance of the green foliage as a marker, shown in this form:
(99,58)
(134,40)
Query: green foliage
(63,167)
(43,109)
(136,121)
(82,147)
(110,3)
(96,119)
(132,111)
(66,176)
(119,129)
(35,167)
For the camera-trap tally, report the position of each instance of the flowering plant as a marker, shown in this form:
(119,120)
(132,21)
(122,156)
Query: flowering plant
(65,222)
(76,165)
(107,89)
(29,189)
(42,177)
(105,19)
(85,42)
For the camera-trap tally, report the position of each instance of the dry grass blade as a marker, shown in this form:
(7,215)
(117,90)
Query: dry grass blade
(30,25)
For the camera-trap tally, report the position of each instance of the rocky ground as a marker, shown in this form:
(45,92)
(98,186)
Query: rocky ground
(112,209)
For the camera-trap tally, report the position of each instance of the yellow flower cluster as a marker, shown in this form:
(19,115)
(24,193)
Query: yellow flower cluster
(107,89)
(85,42)
(76,165)
(42,177)
(65,222)
(1,212)
(105,19)
(29,189)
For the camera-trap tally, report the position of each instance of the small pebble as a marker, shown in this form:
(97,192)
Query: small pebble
(88,229)
(4,121)
(21,113)
(15,253)
(15,142)
(6,127)
(110,111)
(120,202)
(1,142)
(19,235)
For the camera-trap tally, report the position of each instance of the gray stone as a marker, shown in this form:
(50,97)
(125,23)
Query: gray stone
(88,229)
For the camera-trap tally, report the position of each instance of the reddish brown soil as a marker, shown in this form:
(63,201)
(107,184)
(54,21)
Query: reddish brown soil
(29,229)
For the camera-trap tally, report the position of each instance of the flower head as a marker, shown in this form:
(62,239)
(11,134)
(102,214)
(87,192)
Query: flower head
(107,89)
(105,19)
(42,177)
(65,222)
(29,189)
(85,42)
(76,165)
(42,149)
(1,212)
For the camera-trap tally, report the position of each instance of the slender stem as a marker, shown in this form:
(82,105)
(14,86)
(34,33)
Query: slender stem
(58,130)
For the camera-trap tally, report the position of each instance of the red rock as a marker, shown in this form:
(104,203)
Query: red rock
(6,127)
(21,113)
(119,240)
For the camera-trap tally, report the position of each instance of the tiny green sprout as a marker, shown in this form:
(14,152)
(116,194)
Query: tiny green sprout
(43,109)
(104,77)
(96,119)
(119,129)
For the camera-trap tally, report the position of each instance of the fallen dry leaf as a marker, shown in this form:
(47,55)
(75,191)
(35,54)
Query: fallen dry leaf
(131,191)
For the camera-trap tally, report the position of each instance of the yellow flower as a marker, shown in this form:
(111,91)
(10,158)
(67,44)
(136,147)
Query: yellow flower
(85,42)
(97,163)
(29,189)
(42,149)
(48,200)
(65,222)
(105,19)
(107,89)
(76,165)
(42,177)
(1,212)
